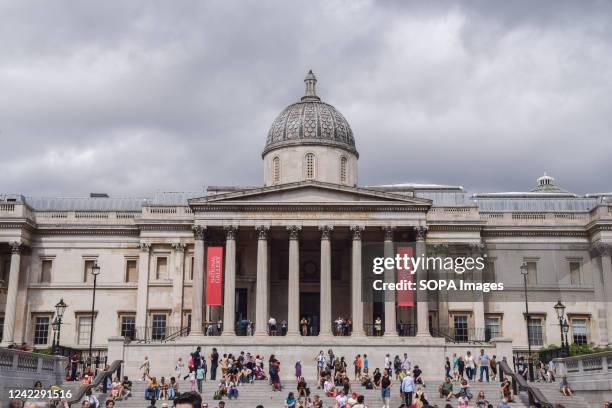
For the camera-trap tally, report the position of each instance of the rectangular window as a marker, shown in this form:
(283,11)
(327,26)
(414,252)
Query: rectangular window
(460,328)
(1,326)
(83,330)
(87,267)
(191,269)
(532,273)
(131,271)
(161,271)
(46,268)
(579,331)
(492,327)
(128,326)
(574,268)
(41,330)
(535,333)
(158,326)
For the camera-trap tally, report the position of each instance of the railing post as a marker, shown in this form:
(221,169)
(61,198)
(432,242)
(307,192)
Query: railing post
(39,364)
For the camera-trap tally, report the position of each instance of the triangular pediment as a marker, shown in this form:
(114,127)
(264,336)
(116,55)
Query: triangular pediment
(310,192)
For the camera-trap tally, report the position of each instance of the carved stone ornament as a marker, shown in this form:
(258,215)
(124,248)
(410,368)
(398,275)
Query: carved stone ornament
(263,231)
(326,231)
(231,232)
(294,231)
(199,232)
(357,230)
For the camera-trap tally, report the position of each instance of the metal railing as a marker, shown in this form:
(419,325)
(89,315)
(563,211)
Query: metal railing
(520,384)
(462,334)
(99,379)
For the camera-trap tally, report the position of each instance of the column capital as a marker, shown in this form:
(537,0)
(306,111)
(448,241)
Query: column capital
(389,232)
(421,233)
(294,231)
(199,232)
(478,248)
(326,231)
(263,232)
(602,248)
(178,246)
(16,247)
(357,230)
(231,232)
(144,246)
(440,249)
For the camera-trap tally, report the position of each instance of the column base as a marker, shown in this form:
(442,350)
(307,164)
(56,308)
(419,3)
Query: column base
(260,334)
(228,334)
(390,334)
(293,334)
(358,334)
(424,334)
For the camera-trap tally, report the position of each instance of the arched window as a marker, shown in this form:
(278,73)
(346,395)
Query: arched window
(343,163)
(310,166)
(276,170)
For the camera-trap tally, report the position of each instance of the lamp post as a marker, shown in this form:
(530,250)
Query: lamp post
(60,308)
(525,272)
(95,271)
(565,328)
(560,309)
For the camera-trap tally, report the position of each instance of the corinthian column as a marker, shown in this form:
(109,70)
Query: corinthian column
(197,303)
(177,282)
(142,295)
(325,320)
(11,294)
(422,298)
(261,297)
(390,309)
(293,298)
(356,303)
(229,302)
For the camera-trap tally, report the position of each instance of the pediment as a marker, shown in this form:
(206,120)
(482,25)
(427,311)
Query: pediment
(304,193)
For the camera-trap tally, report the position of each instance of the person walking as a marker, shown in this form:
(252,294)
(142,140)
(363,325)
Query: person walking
(385,389)
(298,370)
(407,389)
(146,368)
(214,363)
(484,365)
(200,373)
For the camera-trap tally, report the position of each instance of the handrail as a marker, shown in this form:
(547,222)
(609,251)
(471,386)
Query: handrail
(534,393)
(102,376)
(181,333)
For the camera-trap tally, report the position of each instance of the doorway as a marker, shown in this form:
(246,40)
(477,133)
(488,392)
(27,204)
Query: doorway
(309,308)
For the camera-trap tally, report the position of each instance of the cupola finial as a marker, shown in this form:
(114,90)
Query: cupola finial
(311,82)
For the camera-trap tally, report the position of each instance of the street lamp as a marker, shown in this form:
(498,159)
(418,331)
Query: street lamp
(560,309)
(525,272)
(60,308)
(565,328)
(95,271)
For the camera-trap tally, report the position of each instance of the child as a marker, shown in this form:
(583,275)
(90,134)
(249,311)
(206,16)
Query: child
(200,377)
(192,380)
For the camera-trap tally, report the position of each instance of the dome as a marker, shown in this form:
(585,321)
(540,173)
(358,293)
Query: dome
(310,122)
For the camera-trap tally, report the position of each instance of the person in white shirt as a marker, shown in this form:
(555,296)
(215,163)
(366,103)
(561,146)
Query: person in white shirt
(341,399)
(407,388)
(470,365)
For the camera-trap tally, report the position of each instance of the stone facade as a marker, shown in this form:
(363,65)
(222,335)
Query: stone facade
(292,248)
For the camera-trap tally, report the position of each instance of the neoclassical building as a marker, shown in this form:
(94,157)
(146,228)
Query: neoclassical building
(293,248)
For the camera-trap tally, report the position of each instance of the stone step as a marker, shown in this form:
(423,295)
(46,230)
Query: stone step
(260,393)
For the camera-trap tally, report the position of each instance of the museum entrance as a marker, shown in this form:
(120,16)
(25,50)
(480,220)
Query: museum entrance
(309,308)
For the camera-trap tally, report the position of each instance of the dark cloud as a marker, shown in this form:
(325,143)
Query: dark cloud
(133,97)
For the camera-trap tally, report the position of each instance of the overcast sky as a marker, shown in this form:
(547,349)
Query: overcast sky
(135,97)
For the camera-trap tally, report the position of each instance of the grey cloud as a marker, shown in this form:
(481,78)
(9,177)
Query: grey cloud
(135,97)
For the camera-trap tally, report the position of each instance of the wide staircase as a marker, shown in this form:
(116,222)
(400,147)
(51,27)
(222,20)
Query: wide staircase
(260,393)
(554,396)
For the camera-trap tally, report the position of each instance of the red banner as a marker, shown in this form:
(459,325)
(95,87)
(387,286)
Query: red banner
(214,276)
(405,297)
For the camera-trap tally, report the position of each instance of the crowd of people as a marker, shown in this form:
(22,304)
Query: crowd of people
(343,380)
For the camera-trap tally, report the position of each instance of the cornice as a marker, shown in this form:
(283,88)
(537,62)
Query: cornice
(297,207)
(490,233)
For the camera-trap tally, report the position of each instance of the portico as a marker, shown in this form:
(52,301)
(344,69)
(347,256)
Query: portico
(306,238)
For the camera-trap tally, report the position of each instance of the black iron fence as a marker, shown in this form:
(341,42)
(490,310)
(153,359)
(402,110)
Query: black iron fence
(462,334)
